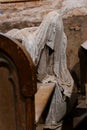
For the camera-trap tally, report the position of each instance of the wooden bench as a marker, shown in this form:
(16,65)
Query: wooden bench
(42,98)
(17,87)
(20,107)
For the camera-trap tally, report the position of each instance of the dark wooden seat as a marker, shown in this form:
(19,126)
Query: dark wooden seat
(17,86)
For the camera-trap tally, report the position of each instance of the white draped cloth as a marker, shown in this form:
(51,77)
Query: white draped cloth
(47,46)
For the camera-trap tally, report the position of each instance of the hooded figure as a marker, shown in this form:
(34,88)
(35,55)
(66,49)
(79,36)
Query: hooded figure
(47,47)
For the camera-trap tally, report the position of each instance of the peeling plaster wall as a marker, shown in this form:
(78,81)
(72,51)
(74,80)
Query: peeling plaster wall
(76,31)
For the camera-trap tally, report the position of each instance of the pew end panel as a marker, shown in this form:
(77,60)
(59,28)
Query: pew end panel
(17,86)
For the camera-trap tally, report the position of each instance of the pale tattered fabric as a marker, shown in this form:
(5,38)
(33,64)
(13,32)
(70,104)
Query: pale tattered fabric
(47,47)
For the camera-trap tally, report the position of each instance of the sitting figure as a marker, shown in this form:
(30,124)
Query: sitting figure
(47,47)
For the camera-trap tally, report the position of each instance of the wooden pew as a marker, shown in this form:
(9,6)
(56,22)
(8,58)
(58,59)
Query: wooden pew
(17,86)
(42,97)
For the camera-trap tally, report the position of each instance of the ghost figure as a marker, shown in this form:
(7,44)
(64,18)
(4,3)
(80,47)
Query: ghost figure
(47,46)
